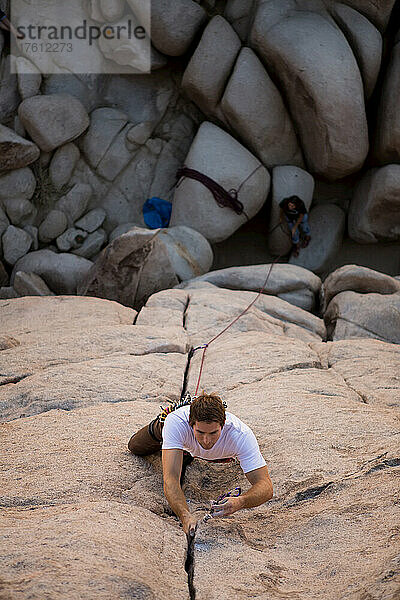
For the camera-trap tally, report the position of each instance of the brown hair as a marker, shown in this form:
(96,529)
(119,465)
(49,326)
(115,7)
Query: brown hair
(207,407)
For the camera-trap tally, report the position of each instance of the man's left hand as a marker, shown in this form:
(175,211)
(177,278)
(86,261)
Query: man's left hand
(226,507)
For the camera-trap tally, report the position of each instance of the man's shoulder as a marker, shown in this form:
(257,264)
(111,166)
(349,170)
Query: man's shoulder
(236,426)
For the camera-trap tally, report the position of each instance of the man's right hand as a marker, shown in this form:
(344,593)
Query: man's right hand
(189,524)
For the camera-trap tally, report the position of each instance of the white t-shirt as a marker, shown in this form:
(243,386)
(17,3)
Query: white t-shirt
(236,440)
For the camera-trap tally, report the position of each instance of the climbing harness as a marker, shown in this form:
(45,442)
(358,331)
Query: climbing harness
(174,405)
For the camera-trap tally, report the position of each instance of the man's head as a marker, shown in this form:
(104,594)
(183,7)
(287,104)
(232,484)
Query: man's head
(207,418)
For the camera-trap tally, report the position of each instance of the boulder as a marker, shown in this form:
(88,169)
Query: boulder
(18,128)
(239,13)
(104,144)
(71,238)
(53,120)
(33,232)
(9,96)
(61,272)
(3,275)
(4,222)
(92,244)
(219,156)
(365,41)
(15,151)
(121,229)
(74,204)
(352,315)
(377,11)
(16,243)
(189,252)
(174,25)
(63,164)
(20,211)
(130,269)
(19,183)
(303,49)
(53,225)
(327,224)
(358,279)
(112,10)
(6,293)
(210,66)
(374,209)
(289,282)
(30,284)
(92,220)
(387,137)
(254,109)
(29,78)
(286,181)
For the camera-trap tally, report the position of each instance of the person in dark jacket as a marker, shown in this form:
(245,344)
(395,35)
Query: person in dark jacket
(293,210)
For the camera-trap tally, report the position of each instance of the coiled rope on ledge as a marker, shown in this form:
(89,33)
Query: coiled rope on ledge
(224,198)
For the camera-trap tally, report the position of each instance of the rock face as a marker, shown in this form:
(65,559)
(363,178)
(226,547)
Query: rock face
(323,533)
(374,209)
(331,120)
(222,158)
(53,120)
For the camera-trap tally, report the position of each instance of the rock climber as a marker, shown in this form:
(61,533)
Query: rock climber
(202,428)
(293,210)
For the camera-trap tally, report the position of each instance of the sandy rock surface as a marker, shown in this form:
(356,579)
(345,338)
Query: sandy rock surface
(83,518)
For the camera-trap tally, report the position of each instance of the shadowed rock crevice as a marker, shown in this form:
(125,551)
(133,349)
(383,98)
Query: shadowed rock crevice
(6,379)
(185,313)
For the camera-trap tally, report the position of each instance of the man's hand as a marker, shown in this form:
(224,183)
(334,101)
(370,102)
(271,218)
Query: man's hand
(189,524)
(226,507)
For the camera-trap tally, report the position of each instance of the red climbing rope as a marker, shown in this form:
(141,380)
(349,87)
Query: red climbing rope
(205,346)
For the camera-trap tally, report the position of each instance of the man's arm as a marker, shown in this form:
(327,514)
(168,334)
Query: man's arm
(261,490)
(172,467)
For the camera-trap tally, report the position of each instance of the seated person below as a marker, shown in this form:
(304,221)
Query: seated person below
(294,211)
(203,429)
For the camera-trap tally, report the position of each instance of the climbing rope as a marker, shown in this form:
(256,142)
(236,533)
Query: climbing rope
(205,346)
(222,197)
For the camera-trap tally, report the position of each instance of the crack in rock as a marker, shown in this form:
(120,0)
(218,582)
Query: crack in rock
(189,564)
